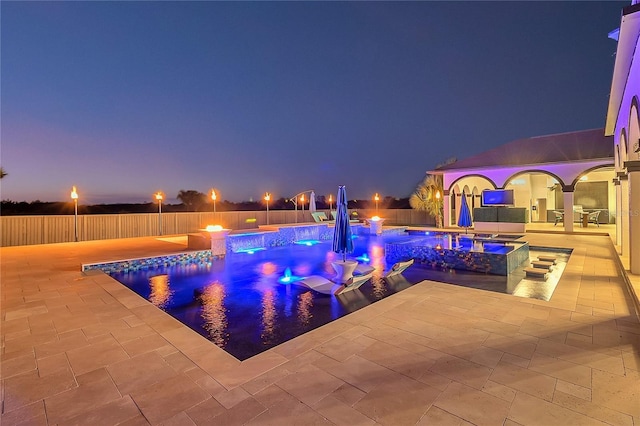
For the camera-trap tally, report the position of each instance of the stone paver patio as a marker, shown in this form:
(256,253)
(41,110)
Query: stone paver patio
(83,349)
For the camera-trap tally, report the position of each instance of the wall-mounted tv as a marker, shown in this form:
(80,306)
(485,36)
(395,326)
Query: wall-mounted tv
(497,197)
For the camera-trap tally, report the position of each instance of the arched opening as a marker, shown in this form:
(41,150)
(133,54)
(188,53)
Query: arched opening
(539,191)
(595,191)
(478,183)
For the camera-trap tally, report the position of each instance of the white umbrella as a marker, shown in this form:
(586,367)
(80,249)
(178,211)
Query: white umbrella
(312,202)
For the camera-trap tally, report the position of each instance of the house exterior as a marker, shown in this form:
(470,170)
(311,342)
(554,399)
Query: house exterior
(623,124)
(546,174)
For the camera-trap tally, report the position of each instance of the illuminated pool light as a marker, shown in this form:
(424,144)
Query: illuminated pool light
(250,250)
(364,258)
(287,278)
(308,242)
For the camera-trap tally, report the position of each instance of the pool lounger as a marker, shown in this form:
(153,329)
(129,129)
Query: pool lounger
(318,283)
(398,268)
(354,283)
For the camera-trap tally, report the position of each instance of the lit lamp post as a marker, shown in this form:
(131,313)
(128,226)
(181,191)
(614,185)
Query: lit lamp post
(159,198)
(438,209)
(267,197)
(302,204)
(74,197)
(214,197)
(376,198)
(330,201)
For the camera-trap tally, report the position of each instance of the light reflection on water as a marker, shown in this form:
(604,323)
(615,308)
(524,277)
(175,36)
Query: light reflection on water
(160,291)
(305,303)
(378,262)
(214,313)
(269,316)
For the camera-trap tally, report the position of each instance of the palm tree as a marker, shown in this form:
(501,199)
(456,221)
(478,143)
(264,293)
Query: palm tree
(2,173)
(428,197)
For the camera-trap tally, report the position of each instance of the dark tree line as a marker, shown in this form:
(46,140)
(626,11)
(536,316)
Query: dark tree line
(191,201)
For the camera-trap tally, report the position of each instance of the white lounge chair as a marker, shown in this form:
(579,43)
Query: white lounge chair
(354,283)
(319,284)
(320,217)
(398,268)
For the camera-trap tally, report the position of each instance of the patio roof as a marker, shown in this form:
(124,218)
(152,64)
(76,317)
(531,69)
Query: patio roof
(559,148)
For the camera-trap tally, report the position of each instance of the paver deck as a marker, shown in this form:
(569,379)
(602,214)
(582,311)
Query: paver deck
(83,349)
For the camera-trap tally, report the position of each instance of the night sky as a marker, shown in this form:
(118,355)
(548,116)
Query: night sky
(124,99)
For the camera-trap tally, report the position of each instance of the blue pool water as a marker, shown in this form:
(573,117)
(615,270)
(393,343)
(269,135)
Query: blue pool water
(244,306)
(239,304)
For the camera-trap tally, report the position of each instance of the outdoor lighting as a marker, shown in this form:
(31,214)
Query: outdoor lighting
(267,197)
(213,228)
(375,218)
(330,201)
(74,197)
(376,198)
(159,198)
(437,195)
(302,202)
(214,197)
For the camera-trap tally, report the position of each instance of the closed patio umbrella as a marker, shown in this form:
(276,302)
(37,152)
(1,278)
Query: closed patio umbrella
(342,242)
(464,220)
(312,202)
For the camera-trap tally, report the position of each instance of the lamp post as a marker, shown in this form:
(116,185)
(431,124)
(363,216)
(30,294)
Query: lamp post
(214,197)
(267,197)
(376,198)
(330,201)
(302,204)
(159,198)
(74,197)
(438,223)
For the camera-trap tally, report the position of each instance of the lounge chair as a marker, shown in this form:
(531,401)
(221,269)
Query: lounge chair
(398,268)
(334,213)
(354,283)
(318,283)
(593,217)
(320,217)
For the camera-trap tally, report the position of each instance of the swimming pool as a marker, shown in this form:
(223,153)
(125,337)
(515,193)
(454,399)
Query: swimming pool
(239,303)
(242,304)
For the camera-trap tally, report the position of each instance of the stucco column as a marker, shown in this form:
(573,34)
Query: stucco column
(633,172)
(616,182)
(568,210)
(623,215)
(446,206)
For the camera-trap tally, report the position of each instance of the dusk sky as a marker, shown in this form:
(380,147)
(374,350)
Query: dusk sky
(124,99)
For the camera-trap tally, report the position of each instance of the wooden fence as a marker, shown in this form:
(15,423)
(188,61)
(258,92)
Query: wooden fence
(28,230)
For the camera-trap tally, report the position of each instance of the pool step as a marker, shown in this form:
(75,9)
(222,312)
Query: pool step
(536,273)
(548,258)
(539,264)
